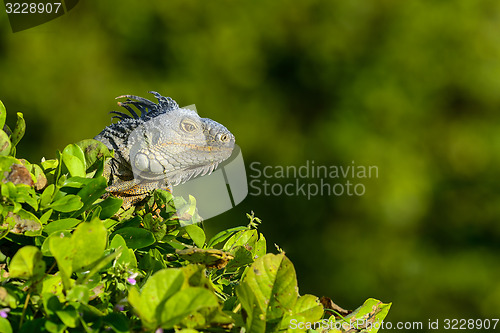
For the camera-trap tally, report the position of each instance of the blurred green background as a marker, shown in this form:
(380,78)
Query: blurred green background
(412,87)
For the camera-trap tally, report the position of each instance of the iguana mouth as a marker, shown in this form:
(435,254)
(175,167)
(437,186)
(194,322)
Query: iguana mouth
(177,177)
(199,147)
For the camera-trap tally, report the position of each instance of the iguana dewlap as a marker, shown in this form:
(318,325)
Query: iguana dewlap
(162,147)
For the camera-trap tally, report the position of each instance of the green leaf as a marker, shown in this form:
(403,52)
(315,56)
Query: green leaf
(242,257)
(50,326)
(187,213)
(89,243)
(97,266)
(110,224)
(27,263)
(61,248)
(223,235)
(93,151)
(91,192)
(40,178)
(59,225)
(136,238)
(52,285)
(307,309)
(74,160)
(152,261)
(110,207)
(185,303)
(6,165)
(75,150)
(4,323)
(162,197)
(127,256)
(78,293)
(196,234)
(117,241)
(268,292)
(18,132)
(46,243)
(76,182)
(196,276)
(24,222)
(66,204)
(3,232)
(117,321)
(69,316)
(373,313)
(9,190)
(9,296)
(45,217)
(49,164)
(159,287)
(3,115)
(51,303)
(242,238)
(250,239)
(5,145)
(47,195)
(27,195)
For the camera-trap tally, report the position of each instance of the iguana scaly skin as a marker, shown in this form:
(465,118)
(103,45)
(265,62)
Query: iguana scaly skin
(163,146)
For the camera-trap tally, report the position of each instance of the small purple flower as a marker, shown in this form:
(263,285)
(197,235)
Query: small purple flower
(4,313)
(159,330)
(131,279)
(119,307)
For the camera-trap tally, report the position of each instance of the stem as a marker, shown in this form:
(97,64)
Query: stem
(51,268)
(24,309)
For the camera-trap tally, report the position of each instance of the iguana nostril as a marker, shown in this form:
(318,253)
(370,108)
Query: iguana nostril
(141,162)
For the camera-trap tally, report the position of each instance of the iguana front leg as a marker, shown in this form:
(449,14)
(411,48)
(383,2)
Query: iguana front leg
(134,191)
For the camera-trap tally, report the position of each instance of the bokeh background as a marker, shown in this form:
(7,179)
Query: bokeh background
(412,87)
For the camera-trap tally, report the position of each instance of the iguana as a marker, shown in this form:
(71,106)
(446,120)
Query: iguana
(162,147)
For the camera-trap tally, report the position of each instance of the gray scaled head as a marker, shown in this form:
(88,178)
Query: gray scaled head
(174,143)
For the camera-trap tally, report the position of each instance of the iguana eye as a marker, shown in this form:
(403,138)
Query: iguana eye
(188,125)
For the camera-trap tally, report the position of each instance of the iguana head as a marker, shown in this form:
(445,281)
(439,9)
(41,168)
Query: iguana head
(169,142)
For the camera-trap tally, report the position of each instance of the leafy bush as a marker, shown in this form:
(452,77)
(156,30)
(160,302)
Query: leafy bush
(73,260)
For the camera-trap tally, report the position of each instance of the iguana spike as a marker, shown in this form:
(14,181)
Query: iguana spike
(165,103)
(120,115)
(145,109)
(129,109)
(138,100)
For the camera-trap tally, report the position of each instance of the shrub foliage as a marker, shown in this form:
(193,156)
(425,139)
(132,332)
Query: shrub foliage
(73,261)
